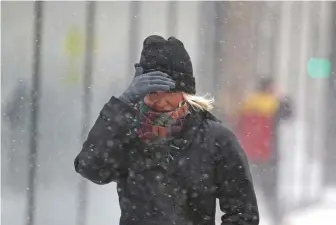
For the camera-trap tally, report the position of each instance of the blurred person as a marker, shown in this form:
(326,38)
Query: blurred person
(170,157)
(257,131)
(16,111)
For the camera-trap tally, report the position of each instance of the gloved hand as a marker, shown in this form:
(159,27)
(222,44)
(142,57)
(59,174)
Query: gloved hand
(143,84)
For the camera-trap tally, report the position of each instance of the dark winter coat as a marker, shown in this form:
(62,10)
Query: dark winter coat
(206,162)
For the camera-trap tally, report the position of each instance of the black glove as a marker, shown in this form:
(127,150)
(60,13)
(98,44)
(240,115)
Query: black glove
(143,84)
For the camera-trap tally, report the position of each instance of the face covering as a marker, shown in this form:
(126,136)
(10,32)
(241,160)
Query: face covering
(158,127)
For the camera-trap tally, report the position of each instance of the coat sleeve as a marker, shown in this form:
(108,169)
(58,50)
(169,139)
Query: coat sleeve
(285,109)
(103,157)
(235,189)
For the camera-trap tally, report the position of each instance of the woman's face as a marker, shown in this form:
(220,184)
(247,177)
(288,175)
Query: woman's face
(163,101)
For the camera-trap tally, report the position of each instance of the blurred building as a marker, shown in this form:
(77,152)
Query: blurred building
(231,45)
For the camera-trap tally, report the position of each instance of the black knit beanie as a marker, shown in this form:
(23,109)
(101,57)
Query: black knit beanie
(169,56)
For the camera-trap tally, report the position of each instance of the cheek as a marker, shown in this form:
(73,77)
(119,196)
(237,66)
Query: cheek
(148,100)
(173,101)
(151,97)
(177,98)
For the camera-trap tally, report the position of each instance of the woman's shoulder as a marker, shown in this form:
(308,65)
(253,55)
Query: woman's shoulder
(224,143)
(216,128)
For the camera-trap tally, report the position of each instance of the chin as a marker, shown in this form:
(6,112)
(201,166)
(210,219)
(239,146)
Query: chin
(163,109)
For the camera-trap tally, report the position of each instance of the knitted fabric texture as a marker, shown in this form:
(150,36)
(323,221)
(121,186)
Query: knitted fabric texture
(156,127)
(171,57)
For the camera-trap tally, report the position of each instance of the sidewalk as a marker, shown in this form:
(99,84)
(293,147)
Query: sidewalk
(320,214)
(104,208)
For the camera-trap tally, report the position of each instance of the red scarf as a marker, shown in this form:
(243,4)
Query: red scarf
(160,126)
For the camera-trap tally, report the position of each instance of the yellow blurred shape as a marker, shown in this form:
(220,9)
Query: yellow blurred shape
(264,104)
(74,47)
(74,43)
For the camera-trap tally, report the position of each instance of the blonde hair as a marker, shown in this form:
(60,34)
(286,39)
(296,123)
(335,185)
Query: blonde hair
(204,103)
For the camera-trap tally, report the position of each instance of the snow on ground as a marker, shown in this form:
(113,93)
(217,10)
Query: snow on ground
(58,206)
(322,213)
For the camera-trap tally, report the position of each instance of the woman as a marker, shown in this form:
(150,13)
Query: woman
(168,155)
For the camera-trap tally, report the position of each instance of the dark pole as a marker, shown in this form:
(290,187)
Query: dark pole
(35,95)
(133,35)
(204,33)
(218,42)
(87,98)
(172,18)
(329,177)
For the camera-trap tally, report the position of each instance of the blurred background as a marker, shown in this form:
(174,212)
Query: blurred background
(61,61)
